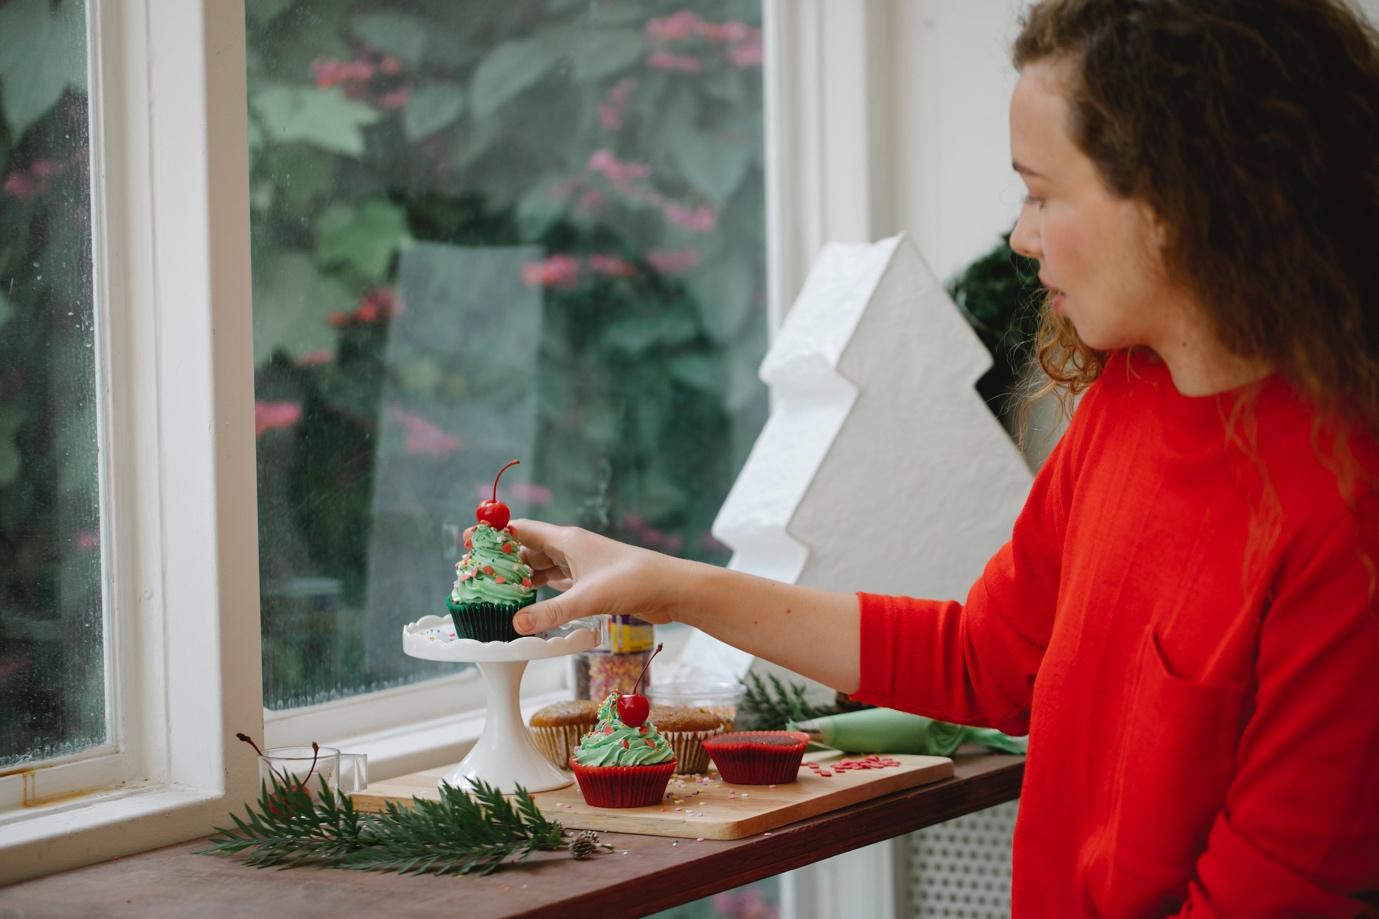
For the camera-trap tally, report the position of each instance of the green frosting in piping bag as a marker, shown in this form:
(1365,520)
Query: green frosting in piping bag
(493,570)
(614,743)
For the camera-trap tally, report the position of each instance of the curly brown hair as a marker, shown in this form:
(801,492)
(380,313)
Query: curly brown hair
(1251,128)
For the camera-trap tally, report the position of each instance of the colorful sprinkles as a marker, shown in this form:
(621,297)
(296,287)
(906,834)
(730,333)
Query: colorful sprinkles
(872,761)
(469,569)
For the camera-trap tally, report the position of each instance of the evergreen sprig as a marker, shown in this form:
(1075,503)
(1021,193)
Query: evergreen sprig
(769,708)
(458,834)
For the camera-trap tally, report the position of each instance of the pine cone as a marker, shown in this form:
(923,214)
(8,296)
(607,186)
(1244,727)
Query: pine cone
(584,845)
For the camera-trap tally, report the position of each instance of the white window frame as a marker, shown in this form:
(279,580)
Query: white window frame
(830,178)
(180,531)
(830,166)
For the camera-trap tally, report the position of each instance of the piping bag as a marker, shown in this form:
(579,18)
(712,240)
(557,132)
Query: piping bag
(884,730)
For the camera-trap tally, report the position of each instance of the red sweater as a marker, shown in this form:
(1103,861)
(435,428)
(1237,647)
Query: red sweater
(1201,691)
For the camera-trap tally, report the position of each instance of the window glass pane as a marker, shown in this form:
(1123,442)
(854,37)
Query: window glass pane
(484,231)
(52,661)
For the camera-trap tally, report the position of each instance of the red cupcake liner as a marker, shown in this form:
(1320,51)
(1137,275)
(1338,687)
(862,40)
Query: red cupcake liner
(623,786)
(743,761)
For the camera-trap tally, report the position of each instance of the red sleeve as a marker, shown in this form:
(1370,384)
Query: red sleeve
(974,663)
(1300,831)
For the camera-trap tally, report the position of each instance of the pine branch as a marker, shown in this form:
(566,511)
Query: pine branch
(768,708)
(458,834)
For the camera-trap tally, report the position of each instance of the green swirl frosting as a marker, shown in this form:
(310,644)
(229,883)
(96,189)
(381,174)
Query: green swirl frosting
(492,571)
(613,743)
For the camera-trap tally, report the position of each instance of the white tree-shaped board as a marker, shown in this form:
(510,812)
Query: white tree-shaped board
(880,467)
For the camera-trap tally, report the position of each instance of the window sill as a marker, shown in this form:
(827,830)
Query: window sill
(108,821)
(421,745)
(62,835)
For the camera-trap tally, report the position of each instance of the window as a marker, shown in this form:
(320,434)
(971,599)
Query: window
(486,231)
(176,450)
(165,459)
(53,664)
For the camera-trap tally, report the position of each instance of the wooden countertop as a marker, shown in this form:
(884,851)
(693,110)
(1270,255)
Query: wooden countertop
(643,874)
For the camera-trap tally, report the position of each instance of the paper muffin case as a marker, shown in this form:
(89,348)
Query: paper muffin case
(485,621)
(741,761)
(623,786)
(558,742)
(689,749)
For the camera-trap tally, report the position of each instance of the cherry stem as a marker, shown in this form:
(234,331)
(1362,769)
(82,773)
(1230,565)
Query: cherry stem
(500,475)
(315,755)
(250,741)
(645,666)
(282,775)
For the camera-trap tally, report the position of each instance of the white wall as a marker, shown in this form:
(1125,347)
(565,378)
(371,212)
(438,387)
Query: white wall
(888,116)
(954,190)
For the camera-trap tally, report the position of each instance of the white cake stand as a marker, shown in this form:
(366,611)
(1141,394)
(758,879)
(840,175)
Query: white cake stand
(505,755)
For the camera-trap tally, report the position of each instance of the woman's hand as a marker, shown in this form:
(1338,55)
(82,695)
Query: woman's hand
(596,575)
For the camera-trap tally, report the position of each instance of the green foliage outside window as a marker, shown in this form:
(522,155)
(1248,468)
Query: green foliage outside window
(52,674)
(621,142)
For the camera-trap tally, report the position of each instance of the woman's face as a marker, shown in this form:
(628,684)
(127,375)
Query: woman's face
(1098,254)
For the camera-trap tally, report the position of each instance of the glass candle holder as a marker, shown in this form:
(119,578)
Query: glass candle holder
(354,772)
(300,767)
(720,698)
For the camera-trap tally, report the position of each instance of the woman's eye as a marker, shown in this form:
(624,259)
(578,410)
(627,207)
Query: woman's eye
(1034,201)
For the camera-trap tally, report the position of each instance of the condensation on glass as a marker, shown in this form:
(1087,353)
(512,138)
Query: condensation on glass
(485,231)
(53,686)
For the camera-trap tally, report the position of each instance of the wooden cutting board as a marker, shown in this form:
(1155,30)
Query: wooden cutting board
(705,807)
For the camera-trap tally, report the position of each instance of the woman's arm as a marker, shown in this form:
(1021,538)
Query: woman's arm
(812,632)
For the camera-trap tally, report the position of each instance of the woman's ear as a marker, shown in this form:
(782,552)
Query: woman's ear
(1159,232)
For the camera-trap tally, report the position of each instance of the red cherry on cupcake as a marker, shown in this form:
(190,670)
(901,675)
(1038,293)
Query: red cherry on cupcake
(492,511)
(633,707)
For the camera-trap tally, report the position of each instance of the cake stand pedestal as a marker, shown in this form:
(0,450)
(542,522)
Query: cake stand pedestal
(505,755)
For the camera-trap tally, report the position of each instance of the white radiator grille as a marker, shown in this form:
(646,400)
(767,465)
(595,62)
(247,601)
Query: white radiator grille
(962,868)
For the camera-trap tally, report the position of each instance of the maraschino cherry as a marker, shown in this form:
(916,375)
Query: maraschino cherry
(492,511)
(633,707)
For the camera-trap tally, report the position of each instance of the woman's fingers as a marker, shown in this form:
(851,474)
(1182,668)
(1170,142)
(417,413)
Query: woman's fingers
(539,540)
(536,535)
(549,613)
(551,577)
(594,572)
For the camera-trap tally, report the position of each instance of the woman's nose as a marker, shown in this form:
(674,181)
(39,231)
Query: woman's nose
(1024,239)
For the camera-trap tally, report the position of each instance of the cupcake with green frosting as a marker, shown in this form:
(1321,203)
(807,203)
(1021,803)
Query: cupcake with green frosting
(492,583)
(618,765)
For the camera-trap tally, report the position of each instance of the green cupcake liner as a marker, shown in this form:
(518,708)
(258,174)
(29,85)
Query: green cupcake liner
(485,621)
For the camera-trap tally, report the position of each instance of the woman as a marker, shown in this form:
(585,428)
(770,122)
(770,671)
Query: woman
(1185,618)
